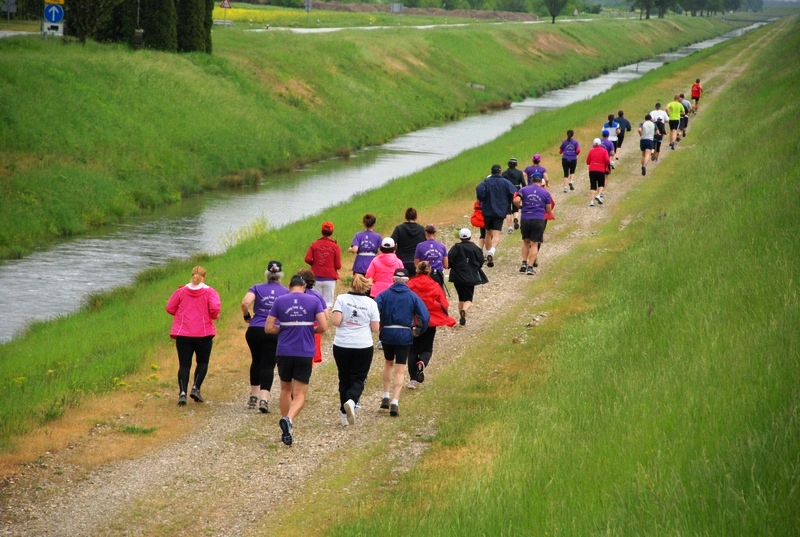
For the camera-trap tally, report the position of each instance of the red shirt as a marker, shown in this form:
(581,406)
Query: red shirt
(697,89)
(325,258)
(598,160)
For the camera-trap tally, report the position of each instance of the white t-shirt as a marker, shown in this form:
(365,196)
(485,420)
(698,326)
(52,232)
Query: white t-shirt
(648,130)
(358,311)
(655,114)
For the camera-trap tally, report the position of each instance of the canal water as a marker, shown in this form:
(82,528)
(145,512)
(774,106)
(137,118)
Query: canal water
(69,271)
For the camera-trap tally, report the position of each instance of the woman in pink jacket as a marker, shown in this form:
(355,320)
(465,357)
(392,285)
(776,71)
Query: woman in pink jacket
(381,270)
(194,306)
(435,301)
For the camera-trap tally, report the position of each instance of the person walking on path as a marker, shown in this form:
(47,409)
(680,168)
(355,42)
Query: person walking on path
(381,270)
(569,151)
(194,307)
(534,202)
(613,131)
(687,108)
(466,262)
(599,164)
(262,345)
(432,295)
(434,253)
(697,92)
(624,126)
(608,145)
(647,131)
(355,316)
(295,317)
(476,219)
(403,316)
(365,245)
(495,194)
(325,259)
(674,112)
(517,178)
(536,169)
(406,236)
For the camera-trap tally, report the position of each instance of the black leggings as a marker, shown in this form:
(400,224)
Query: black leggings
(263,347)
(421,350)
(188,347)
(353,366)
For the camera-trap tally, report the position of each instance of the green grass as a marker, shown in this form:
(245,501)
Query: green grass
(662,395)
(93,134)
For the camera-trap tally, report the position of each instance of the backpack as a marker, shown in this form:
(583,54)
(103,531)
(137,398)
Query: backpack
(477,216)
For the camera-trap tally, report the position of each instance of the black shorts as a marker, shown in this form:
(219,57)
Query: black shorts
(620,139)
(533,229)
(569,167)
(696,99)
(493,223)
(597,179)
(483,233)
(294,368)
(674,124)
(396,353)
(684,122)
(645,144)
(465,292)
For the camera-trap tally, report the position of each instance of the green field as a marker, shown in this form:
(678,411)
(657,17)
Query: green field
(94,134)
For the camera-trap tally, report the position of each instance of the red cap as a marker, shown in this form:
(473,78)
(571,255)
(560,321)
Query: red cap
(327,226)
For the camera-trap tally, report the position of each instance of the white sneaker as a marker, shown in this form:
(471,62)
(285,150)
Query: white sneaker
(510,230)
(565,189)
(350,411)
(412,385)
(344,419)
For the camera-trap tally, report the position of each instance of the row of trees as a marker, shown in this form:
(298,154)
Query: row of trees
(695,7)
(170,25)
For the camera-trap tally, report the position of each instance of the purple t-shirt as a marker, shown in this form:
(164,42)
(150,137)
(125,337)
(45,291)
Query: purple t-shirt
(569,149)
(608,144)
(297,313)
(368,243)
(533,169)
(266,293)
(433,252)
(534,199)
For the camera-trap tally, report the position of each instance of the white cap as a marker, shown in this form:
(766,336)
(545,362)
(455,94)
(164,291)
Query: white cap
(596,141)
(465,233)
(388,242)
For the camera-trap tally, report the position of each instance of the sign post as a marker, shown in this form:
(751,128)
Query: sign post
(9,6)
(54,18)
(226,5)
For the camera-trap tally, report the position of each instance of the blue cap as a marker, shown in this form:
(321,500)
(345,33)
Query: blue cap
(605,132)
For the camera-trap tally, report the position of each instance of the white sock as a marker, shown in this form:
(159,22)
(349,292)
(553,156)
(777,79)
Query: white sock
(385,395)
(395,402)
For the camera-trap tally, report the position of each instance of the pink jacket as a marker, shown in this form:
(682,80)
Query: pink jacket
(381,270)
(194,311)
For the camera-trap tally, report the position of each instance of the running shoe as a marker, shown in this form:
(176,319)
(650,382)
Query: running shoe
(571,187)
(343,420)
(420,371)
(252,402)
(182,399)
(516,223)
(394,410)
(350,411)
(510,230)
(412,385)
(195,395)
(523,267)
(463,320)
(536,262)
(490,260)
(599,199)
(263,406)
(531,271)
(672,146)
(591,204)
(384,403)
(565,189)
(644,170)
(286,431)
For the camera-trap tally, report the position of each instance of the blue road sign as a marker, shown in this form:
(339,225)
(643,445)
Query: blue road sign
(53,13)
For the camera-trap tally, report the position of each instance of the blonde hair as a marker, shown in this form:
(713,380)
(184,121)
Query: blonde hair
(361,284)
(198,275)
(424,267)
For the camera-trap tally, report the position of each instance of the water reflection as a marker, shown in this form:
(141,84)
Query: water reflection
(54,281)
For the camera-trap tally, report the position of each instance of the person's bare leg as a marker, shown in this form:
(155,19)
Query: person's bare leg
(399,374)
(286,397)
(299,391)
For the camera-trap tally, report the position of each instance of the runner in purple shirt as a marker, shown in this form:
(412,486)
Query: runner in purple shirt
(569,151)
(537,169)
(296,312)
(533,201)
(434,252)
(365,245)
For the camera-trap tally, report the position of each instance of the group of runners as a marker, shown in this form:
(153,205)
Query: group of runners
(398,287)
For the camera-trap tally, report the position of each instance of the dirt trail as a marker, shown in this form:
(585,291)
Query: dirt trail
(208,481)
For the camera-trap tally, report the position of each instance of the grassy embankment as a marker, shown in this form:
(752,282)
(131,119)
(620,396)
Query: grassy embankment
(92,134)
(662,395)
